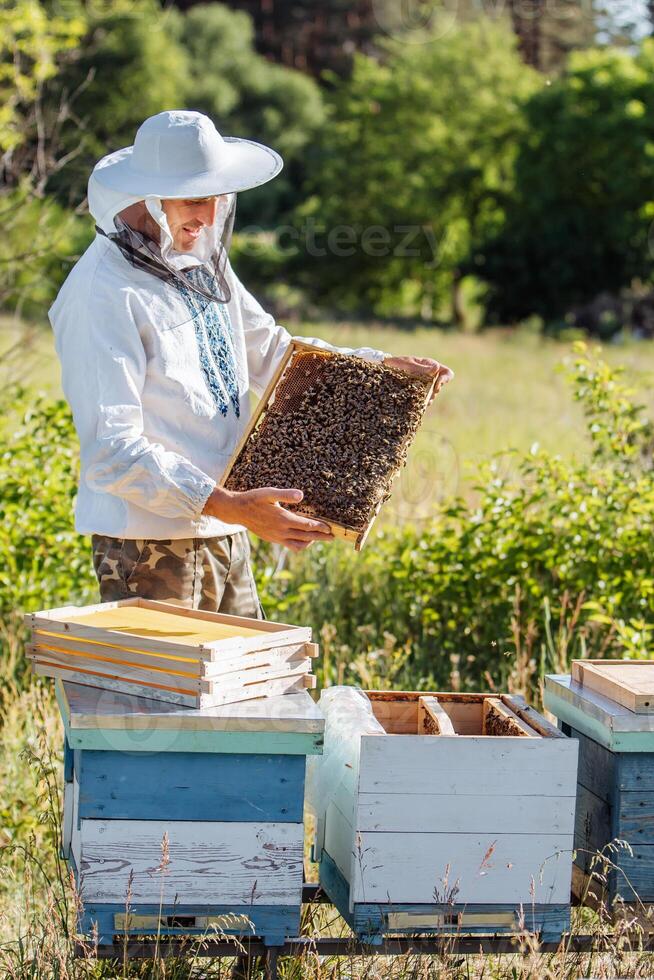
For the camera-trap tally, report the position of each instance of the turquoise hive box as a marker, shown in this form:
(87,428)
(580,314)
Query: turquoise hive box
(615,789)
(184,821)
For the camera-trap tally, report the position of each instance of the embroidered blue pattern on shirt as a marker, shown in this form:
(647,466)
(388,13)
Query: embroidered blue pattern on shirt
(213,331)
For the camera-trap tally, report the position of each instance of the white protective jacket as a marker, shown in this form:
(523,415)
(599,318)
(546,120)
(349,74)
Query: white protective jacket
(144,371)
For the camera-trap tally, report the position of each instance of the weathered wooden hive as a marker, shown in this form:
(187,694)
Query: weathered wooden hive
(443,813)
(608,708)
(183,821)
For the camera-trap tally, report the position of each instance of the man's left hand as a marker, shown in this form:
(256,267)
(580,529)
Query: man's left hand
(423,366)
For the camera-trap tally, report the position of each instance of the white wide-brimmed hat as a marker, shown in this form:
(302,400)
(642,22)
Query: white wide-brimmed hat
(181,154)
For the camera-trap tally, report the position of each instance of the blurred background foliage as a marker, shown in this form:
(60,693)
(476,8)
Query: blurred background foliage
(470,167)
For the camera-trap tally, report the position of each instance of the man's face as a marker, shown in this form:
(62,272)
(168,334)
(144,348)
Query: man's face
(187,218)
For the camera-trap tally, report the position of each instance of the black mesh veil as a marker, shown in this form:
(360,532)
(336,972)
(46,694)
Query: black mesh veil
(201,270)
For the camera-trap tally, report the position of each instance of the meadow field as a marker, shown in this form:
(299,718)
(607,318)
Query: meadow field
(509,393)
(509,390)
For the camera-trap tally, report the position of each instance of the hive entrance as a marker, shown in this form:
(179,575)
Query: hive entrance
(448,715)
(338,428)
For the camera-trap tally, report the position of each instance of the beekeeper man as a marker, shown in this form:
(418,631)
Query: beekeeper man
(160,344)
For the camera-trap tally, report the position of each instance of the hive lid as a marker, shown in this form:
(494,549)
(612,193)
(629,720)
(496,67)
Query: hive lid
(84,707)
(627,682)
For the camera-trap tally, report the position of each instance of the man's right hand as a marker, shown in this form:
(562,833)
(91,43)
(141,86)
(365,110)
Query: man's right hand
(262,513)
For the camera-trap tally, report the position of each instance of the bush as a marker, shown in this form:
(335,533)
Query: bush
(43,561)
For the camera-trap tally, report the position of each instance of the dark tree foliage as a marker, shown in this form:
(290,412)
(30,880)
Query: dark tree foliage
(578,221)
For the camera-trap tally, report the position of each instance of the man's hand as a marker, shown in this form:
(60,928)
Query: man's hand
(262,513)
(423,366)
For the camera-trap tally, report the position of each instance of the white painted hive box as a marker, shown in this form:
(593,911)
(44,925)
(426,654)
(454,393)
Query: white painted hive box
(419,803)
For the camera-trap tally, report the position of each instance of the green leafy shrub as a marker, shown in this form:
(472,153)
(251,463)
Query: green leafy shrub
(43,561)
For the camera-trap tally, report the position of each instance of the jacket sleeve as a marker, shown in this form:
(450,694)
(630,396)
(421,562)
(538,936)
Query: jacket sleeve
(119,458)
(266,341)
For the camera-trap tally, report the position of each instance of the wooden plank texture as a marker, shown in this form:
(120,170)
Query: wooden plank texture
(238,864)
(592,826)
(612,715)
(494,766)
(628,682)
(400,867)
(605,721)
(472,814)
(154,626)
(191,786)
(106,681)
(272,923)
(433,719)
(373,921)
(499,719)
(278,666)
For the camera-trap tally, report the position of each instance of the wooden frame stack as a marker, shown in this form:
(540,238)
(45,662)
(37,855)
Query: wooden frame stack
(163,651)
(290,364)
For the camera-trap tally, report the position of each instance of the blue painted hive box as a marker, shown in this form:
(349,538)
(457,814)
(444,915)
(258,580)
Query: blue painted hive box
(615,791)
(186,821)
(443,814)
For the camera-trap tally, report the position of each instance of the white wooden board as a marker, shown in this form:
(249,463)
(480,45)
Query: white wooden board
(495,766)
(217,863)
(501,868)
(71,809)
(339,840)
(471,814)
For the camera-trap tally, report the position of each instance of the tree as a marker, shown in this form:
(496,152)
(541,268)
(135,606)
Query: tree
(248,96)
(129,66)
(415,161)
(32,43)
(579,220)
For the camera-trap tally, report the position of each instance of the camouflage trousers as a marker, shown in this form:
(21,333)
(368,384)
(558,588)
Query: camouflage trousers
(201,573)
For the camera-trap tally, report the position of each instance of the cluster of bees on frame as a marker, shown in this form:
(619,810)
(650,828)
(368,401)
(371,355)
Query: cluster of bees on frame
(339,433)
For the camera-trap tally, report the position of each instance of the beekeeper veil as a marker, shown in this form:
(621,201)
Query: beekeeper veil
(180,157)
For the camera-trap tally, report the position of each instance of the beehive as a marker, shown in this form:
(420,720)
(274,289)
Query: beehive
(427,823)
(163,651)
(224,787)
(615,791)
(338,428)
